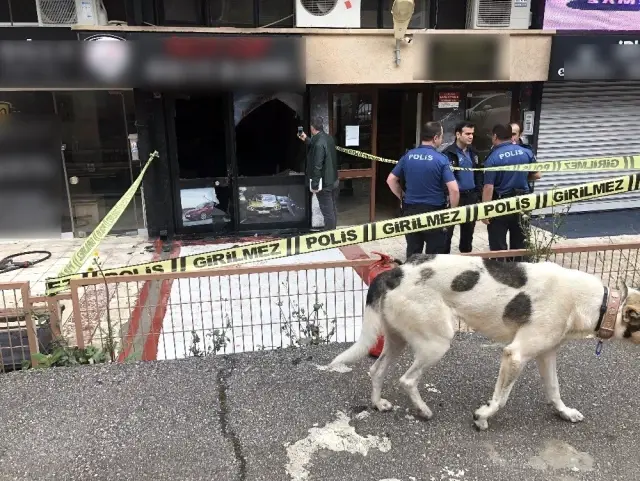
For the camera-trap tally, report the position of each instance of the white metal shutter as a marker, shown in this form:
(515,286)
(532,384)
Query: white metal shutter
(589,119)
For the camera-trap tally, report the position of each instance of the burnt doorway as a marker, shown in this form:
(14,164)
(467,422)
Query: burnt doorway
(270,161)
(199,141)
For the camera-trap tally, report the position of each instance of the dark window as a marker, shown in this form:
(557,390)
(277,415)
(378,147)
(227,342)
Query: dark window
(276,13)
(18,11)
(116,9)
(369,13)
(182,12)
(231,13)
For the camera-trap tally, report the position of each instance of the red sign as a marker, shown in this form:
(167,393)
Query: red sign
(448,100)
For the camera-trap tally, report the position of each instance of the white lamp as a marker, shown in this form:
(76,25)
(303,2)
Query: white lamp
(402,11)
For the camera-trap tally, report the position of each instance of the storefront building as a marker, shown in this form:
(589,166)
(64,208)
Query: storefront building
(590,105)
(230,160)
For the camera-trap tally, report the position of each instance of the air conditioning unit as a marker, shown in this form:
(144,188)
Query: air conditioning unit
(71,12)
(328,13)
(499,14)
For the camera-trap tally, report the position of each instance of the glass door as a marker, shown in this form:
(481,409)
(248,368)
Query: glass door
(353,124)
(199,144)
(487,109)
(97,160)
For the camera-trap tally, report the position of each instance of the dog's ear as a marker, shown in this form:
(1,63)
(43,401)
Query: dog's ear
(632,315)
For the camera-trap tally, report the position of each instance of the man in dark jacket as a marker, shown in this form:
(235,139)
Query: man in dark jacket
(462,154)
(322,169)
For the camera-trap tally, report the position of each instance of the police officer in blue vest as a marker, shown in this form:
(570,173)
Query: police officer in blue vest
(504,184)
(462,154)
(428,178)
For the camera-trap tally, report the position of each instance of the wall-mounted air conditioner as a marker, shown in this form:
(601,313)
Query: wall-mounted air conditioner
(499,14)
(328,13)
(71,12)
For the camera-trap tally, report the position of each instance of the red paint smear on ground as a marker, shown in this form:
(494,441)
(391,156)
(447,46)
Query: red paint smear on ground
(150,351)
(134,323)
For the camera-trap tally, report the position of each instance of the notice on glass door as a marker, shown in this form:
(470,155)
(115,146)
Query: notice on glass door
(448,100)
(352,136)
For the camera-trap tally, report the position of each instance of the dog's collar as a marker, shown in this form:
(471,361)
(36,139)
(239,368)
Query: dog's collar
(608,313)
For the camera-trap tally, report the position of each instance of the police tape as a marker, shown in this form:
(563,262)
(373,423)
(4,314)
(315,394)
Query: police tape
(102,230)
(345,236)
(626,162)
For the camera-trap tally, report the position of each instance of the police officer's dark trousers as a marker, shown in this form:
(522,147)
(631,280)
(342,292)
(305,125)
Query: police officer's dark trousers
(467,197)
(498,228)
(435,239)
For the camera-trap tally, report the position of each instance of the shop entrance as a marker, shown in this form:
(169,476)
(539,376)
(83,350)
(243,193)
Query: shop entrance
(199,142)
(270,161)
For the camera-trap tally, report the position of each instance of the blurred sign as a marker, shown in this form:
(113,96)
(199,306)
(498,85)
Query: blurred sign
(5,108)
(611,15)
(597,57)
(486,57)
(155,62)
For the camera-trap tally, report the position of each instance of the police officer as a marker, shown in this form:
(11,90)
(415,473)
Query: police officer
(504,184)
(462,154)
(427,175)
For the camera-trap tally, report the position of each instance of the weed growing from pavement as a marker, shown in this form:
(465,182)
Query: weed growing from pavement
(109,342)
(538,242)
(304,328)
(217,341)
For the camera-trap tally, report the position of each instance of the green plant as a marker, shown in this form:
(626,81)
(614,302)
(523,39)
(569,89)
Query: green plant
(218,340)
(309,331)
(109,343)
(61,355)
(538,242)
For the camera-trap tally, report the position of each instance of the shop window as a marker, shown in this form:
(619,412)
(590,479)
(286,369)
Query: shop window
(485,110)
(18,12)
(276,13)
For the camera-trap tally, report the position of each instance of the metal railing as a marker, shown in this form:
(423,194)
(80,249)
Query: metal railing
(229,310)
(239,309)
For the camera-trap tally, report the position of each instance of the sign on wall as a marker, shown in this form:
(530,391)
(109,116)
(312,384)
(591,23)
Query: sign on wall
(594,57)
(612,15)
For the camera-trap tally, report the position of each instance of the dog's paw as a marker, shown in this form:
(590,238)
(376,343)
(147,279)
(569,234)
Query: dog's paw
(383,405)
(480,424)
(425,413)
(571,415)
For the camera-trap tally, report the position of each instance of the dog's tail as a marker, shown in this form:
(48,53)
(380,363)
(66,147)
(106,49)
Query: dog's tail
(368,336)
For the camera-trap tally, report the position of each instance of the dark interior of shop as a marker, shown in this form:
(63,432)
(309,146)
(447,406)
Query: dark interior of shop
(267,142)
(201,140)
(200,136)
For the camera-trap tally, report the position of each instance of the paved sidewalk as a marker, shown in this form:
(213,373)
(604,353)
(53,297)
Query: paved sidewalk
(273,416)
(114,251)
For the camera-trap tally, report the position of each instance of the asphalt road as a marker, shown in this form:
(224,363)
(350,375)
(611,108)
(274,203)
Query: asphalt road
(275,416)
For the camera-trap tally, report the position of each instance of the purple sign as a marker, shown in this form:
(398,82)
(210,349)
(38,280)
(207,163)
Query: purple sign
(612,15)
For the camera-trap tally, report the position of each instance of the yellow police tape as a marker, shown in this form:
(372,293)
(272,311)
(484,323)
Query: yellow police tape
(367,232)
(626,162)
(100,232)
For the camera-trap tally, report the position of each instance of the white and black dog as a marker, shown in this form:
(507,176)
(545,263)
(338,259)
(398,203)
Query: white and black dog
(533,308)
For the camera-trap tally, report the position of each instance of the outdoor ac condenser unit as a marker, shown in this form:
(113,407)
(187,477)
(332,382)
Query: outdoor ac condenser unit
(499,14)
(328,13)
(71,12)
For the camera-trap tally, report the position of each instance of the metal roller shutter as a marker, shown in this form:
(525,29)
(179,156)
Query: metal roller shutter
(589,119)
